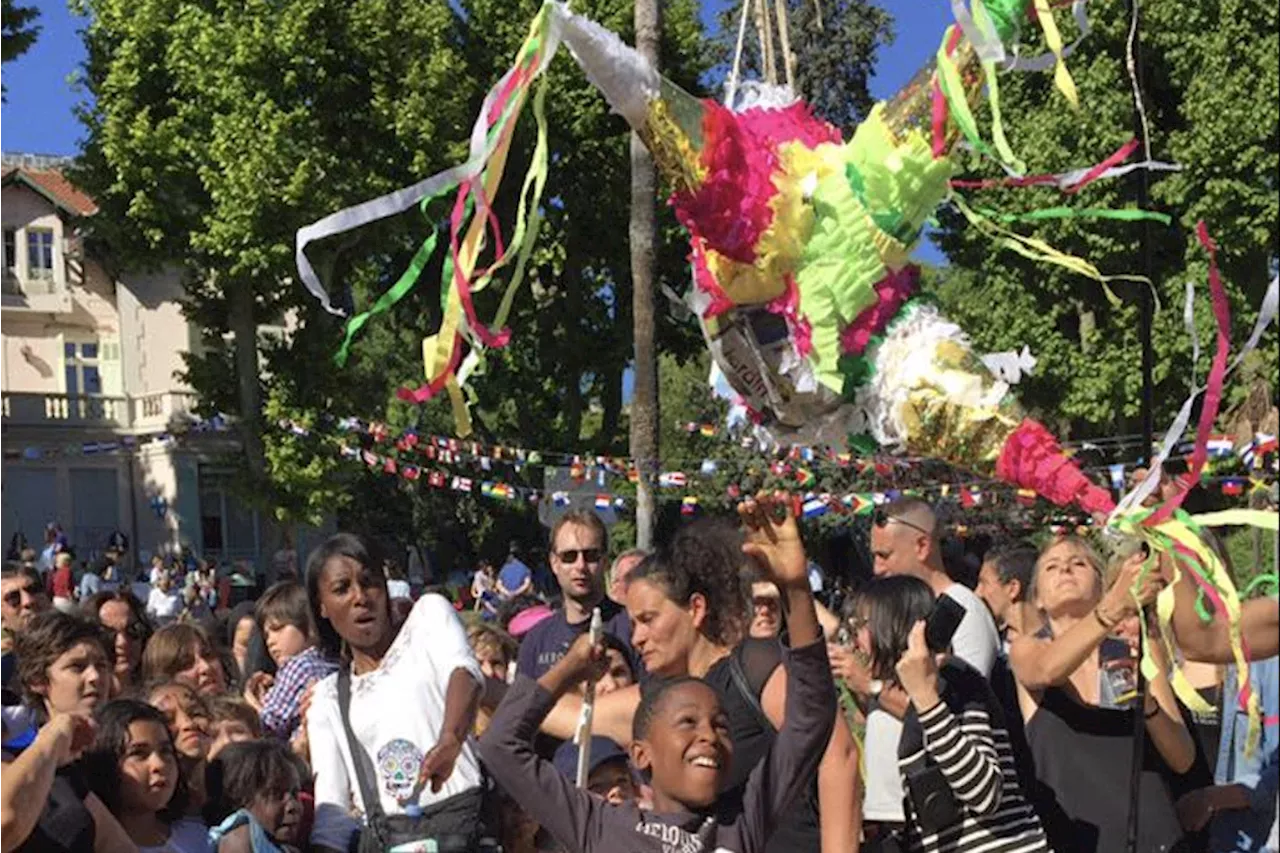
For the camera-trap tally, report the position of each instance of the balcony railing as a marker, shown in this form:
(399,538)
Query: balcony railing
(40,294)
(152,411)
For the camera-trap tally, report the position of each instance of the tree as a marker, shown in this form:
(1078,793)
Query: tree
(19,30)
(1219,121)
(215,130)
(643,231)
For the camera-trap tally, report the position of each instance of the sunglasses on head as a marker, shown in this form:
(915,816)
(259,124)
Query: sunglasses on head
(13,597)
(569,556)
(882,519)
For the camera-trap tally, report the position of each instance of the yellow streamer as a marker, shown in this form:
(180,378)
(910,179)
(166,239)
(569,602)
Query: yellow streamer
(1161,540)
(1040,251)
(1053,38)
(1266,519)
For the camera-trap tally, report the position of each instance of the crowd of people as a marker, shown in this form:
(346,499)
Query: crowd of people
(729,708)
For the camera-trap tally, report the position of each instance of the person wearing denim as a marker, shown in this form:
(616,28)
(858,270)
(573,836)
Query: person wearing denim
(1241,808)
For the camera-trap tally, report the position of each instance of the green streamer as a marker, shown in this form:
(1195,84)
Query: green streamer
(1006,16)
(953,91)
(1126,214)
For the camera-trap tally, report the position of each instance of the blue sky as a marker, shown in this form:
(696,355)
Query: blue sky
(37,116)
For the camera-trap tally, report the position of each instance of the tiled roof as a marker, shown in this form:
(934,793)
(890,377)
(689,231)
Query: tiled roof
(45,176)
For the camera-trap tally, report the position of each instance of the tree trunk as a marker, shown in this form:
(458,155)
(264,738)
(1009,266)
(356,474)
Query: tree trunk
(644,403)
(244,328)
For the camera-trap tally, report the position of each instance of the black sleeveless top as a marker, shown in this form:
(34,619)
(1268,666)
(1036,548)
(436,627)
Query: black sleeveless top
(1082,756)
(65,825)
(753,734)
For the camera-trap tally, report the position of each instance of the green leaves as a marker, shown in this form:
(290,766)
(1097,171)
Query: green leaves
(1217,117)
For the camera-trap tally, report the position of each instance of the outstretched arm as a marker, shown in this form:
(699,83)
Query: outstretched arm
(534,783)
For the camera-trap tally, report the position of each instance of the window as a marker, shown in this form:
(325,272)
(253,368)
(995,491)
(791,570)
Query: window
(40,252)
(84,376)
(10,283)
(10,250)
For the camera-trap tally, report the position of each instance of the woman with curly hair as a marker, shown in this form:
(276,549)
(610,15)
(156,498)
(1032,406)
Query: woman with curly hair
(688,606)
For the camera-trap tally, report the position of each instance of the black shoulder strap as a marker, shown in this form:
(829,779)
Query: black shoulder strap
(364,767)
(739,677)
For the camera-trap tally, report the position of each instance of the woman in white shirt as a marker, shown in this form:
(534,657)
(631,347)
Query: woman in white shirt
(413,691)
(164,603)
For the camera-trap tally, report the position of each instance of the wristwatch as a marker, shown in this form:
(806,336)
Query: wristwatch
(875,687)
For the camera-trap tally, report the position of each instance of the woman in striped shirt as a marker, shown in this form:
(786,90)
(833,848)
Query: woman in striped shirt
(962,791)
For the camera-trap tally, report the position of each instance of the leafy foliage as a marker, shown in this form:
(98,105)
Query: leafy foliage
(1220,121)
(18,32)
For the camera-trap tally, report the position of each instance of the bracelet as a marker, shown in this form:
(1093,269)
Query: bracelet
(1102,620)
(1150,715)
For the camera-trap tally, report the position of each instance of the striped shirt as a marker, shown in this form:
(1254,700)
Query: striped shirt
(964,736)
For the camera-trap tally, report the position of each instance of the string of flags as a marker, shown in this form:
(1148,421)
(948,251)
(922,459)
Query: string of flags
(122,444)
(420,457)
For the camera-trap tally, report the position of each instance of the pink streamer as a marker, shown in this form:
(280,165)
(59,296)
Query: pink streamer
(1213,389)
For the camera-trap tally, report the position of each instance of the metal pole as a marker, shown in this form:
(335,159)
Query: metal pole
(1148,405)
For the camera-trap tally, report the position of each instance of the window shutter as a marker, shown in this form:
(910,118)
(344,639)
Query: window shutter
(109,366)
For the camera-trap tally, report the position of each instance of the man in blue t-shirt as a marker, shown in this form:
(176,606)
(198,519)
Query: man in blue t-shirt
(579,545)
(514,578)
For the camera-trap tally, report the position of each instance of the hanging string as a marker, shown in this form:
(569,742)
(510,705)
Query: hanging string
(1132,66)
(737,56)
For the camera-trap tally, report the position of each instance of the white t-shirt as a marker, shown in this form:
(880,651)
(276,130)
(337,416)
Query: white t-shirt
(976,642)
(396,713)
(164,607)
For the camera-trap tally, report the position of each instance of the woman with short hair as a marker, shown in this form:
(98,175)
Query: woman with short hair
(64,666)
(411,772)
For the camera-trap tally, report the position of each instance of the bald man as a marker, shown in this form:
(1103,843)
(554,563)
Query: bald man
(904,541)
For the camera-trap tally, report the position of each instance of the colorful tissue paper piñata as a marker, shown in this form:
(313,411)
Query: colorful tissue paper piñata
(799,246)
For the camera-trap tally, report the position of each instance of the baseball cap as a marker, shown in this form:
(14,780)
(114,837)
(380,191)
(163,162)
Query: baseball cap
(602,750)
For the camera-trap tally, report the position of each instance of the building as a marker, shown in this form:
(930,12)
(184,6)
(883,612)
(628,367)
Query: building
(98,429)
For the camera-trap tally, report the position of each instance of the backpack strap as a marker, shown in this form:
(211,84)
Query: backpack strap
(364,766)
(739,676)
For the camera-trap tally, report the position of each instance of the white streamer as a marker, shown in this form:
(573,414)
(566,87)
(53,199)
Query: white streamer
(1045,61)
(482,148)
(1266,314)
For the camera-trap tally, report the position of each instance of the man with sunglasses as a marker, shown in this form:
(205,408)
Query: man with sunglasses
(579,555)
(22,596)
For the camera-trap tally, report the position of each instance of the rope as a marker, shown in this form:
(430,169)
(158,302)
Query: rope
(737,55)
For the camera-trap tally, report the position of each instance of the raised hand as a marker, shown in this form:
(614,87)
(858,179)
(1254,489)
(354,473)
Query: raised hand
(773,538)
(918,670)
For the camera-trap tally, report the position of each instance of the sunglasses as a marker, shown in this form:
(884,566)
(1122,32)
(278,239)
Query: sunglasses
(882,519)
(570,556)
(13,597)
(134,631)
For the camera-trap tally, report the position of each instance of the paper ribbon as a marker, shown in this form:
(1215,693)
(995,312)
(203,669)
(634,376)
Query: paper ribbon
(1053,38)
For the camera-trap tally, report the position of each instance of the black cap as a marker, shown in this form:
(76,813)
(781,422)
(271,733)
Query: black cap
(603,750)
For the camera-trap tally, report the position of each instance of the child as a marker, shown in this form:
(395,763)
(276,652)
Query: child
(186,713)
(133,768)
(284,618)
(608,771)
(256,803)
(233,721)
(681,739)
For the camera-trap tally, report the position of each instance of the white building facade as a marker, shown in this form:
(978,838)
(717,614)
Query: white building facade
(98,433)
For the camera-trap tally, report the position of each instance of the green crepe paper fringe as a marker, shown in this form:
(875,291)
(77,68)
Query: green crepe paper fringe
(893,188)
(1007,17)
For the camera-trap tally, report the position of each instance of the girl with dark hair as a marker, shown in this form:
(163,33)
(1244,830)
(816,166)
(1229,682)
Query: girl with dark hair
(133,767)
(389,730)
(954,756)
(122,614)
(688,610)
(46,805)
(255,806)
